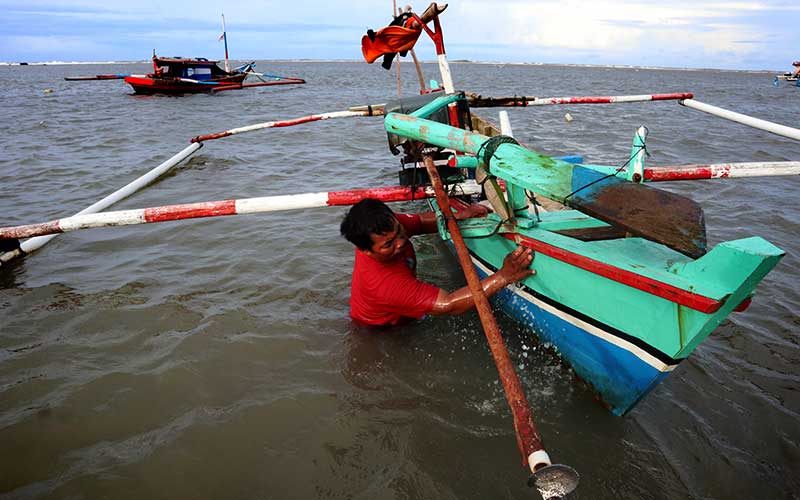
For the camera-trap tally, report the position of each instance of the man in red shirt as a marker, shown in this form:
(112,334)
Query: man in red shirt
(385,289)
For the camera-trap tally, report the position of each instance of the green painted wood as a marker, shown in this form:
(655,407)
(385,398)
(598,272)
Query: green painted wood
(729,271)
(635,169)
(665,217)
(435,105)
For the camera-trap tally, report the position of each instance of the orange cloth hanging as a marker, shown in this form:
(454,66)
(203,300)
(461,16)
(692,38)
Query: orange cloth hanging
(388,40)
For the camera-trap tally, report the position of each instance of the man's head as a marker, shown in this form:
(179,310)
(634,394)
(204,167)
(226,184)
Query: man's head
(372,227)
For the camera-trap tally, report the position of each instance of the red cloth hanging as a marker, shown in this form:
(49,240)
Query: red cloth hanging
(388,40)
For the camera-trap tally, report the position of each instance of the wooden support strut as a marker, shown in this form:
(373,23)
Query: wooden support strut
(528,439)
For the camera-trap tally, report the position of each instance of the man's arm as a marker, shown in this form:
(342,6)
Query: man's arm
(428,219)
(516,266)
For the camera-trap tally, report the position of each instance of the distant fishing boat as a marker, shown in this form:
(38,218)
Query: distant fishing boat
(179,75)
(789,76)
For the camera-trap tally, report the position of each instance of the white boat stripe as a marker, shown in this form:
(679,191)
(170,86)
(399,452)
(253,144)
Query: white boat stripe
(589,328)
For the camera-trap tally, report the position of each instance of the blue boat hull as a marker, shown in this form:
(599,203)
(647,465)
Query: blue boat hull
(608,360)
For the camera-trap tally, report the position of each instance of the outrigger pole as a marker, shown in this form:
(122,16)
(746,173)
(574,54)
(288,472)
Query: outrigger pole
(478,101)
(226,207)
(775,128)
(288,123)
(36,243)
(685,99)
(720,171)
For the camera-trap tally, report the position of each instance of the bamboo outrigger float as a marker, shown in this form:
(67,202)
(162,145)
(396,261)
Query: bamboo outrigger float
(625,286)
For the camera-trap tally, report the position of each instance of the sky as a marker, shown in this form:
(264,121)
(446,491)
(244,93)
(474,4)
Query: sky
(743,35)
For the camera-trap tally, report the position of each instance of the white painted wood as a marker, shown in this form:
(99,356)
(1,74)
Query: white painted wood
(33,244)
(276,203)
(447,77)
(750,121)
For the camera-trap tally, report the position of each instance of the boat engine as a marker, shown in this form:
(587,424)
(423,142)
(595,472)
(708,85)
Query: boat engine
(412,172)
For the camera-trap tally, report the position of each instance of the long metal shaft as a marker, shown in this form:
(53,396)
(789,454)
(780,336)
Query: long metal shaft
(528,438)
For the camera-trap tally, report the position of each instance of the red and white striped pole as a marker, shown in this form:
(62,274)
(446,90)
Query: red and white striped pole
(225,207)
(522,101)
(721,171)
(288,123)
(34,244)
(543,101)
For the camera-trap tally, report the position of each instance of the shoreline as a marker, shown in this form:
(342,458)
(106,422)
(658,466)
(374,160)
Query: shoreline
(457,61)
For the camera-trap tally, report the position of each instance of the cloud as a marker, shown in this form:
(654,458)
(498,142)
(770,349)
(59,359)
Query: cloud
(685,30)
(664,33)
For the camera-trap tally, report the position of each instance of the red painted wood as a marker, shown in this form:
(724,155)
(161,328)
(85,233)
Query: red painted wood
(685,174)
(208,137)
(743,305)
(190,211)
(667,97)
(394,193)
(30,230)
(674,294)
(611,99)
(297,121)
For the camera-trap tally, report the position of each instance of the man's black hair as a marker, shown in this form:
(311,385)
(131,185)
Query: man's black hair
(367,217)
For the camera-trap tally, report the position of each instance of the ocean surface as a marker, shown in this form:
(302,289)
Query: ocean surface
(214,358)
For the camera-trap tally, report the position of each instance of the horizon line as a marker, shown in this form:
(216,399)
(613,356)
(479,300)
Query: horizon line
(454,61)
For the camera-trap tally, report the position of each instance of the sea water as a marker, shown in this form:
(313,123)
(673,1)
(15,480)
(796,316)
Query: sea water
(214,358)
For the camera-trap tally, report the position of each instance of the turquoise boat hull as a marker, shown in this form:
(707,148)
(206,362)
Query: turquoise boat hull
(621,337)
(622,310)
(621,375)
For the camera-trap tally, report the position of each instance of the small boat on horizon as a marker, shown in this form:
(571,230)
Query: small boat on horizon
(179,75)
(789,76)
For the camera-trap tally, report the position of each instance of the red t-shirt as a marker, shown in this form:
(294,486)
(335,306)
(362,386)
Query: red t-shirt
(384,293)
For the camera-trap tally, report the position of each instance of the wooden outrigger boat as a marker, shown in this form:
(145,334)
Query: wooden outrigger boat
(176,76)
(789,76)
(179,75)
(625,285)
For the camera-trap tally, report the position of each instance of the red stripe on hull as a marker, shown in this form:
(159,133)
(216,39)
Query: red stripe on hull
(150,85)
(190,211)
(674,294)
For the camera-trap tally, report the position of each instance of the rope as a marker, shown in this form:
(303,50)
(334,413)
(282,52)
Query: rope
(532,198)
(643,147)
(490,147)
(494,231)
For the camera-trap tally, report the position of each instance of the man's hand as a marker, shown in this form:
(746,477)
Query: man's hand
(516,265)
